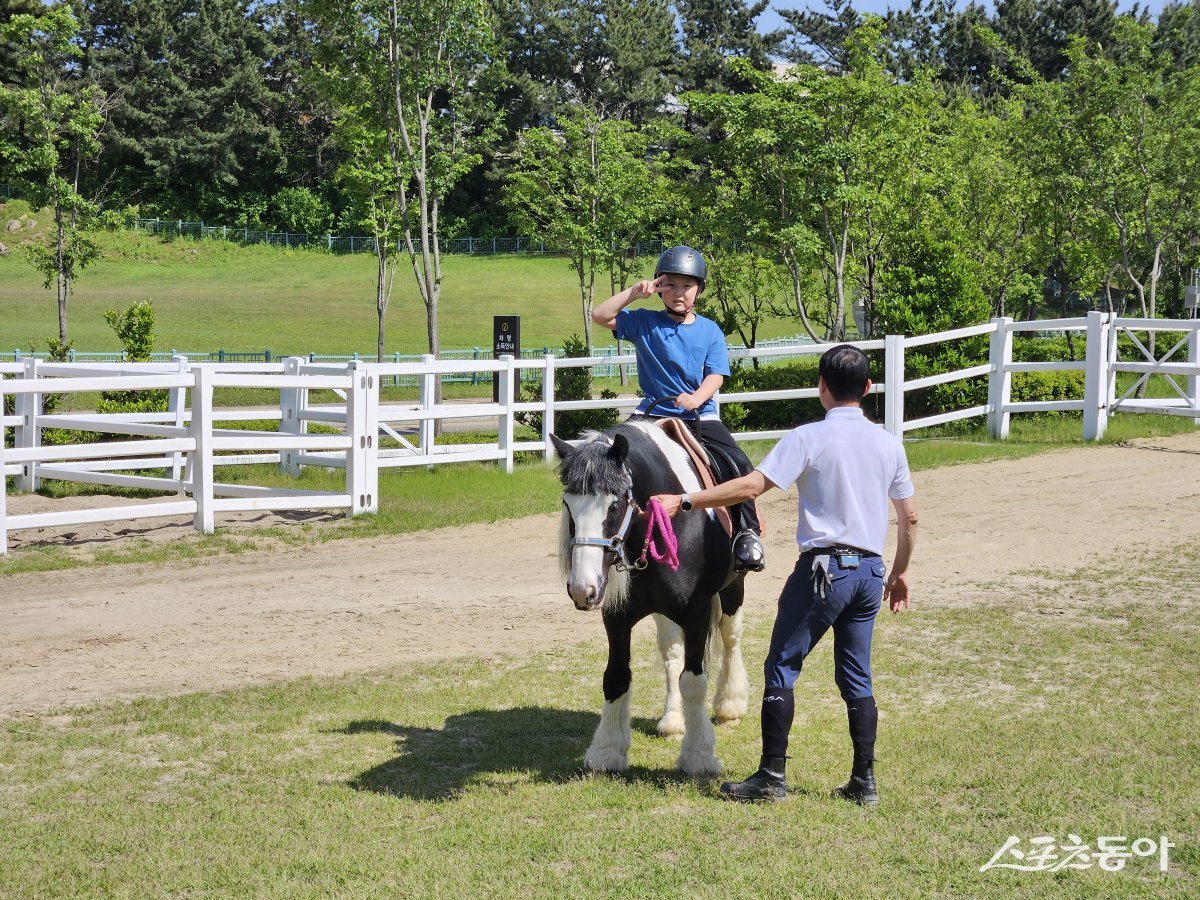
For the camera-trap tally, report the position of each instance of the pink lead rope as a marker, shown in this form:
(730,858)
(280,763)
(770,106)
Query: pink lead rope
(658,519)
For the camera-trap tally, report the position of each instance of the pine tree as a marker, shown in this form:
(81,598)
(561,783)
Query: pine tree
(192,135)
(714,31)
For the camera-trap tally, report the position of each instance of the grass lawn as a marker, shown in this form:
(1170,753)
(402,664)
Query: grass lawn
(1068,708)
(210,295)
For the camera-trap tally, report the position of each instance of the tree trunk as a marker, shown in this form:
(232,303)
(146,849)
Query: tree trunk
(381,296)
(62,279)
(794,274)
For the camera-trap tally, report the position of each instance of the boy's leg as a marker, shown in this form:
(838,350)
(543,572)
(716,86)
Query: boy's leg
(748,552)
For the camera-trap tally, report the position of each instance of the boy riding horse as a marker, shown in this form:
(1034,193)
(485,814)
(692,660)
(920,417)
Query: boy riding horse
(682,362)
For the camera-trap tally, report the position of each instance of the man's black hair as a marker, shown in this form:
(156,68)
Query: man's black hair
(846,372)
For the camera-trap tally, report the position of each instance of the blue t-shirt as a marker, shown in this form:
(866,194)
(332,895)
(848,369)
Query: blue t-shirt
(672,358)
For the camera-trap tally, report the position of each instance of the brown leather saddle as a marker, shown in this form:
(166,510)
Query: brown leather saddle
(677,431)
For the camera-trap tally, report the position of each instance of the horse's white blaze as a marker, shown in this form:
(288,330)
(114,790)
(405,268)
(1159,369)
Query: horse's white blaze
(586,578)
(670,645)
(610,744)
(733,687)
(698,755)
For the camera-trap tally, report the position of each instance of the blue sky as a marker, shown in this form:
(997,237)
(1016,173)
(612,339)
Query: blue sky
(770,19)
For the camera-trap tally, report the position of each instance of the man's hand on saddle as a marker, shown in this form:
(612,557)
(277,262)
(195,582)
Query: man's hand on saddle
(688,402)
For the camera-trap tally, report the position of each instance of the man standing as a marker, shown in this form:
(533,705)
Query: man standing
(845,469)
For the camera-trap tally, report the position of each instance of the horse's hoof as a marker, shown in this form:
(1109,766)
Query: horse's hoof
(729,712)
(671,726)
(605,761)
(698,766)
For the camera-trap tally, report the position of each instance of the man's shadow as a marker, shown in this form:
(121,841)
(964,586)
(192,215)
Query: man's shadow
(439,763)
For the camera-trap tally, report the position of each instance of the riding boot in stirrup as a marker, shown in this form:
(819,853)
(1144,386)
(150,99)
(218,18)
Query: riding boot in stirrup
(748,554)
(768,783)
(859,789)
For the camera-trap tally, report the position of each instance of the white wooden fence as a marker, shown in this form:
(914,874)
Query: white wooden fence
(181,451)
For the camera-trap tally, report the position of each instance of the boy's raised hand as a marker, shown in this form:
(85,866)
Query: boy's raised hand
(647,288)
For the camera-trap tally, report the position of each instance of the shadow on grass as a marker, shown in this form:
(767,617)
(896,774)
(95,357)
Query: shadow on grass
(533,743)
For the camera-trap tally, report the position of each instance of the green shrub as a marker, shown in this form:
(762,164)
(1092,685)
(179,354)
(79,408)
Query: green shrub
(1037,387)
(930,287)
(135,329)
(299,210)
(770,415)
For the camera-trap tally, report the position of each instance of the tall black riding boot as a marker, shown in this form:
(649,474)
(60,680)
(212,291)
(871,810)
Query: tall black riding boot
(769,782)
(863,717)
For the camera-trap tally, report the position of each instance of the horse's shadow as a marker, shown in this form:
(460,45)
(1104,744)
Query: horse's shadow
(536,743)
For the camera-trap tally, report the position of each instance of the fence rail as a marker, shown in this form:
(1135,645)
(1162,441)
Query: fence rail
(266,355)
(182,450)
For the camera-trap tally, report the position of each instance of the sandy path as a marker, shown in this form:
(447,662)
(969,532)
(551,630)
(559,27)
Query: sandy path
(119,631)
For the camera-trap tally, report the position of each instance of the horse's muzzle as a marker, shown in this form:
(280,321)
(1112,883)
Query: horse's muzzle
(585,596)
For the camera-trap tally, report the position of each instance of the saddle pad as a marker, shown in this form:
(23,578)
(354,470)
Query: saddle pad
(677,431)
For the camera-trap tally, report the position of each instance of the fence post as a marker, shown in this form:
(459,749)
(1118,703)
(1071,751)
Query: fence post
(28,433)
(362,427)
(176,404)
(507,401)
(893,383)
(3,482)
(999,379)
(1097,373)
(292,402)
(1193,381)
(548,402)
(428,393)
(201,468)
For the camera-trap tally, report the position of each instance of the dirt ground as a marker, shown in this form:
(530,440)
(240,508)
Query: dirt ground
(80,636)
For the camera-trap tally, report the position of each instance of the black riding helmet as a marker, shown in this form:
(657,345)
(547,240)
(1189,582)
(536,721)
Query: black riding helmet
(683,261)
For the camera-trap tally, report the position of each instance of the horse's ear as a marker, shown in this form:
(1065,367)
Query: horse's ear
(561,447)
(619,449)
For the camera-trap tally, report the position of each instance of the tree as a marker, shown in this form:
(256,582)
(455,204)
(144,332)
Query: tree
(12,50)
(369,181)
(587,189)
(987,198)
(821,38)
(1178,33)
(1127,149)
(716,32)
(191,133)
(930,289)
(49,125)
(419,75)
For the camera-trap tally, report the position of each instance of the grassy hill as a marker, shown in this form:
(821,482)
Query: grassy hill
(211,294)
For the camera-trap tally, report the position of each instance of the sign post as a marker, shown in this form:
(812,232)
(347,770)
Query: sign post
(506,340)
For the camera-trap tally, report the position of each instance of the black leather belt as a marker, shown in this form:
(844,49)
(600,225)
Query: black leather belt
(839,549)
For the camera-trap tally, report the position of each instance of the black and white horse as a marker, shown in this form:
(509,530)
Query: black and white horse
(606,479)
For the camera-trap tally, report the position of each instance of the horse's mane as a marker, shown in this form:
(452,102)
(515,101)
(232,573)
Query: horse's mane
(590,470)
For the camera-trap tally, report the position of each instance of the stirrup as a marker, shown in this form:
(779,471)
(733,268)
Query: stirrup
(748,552)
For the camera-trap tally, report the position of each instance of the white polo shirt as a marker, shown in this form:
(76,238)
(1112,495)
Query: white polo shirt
(846,469)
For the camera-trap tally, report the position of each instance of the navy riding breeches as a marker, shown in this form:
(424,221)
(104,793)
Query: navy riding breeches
(809,606)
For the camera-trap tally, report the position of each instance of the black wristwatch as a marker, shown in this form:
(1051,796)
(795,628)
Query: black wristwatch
(685,502)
